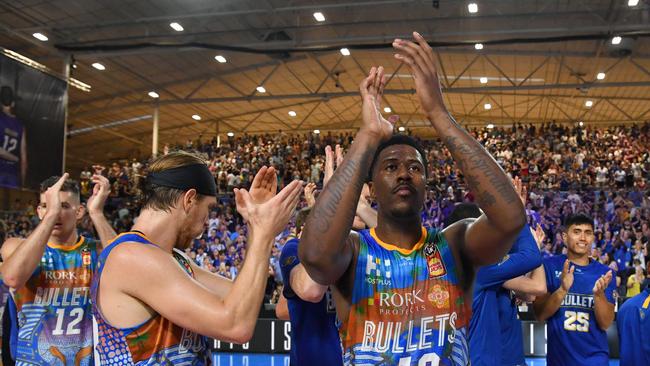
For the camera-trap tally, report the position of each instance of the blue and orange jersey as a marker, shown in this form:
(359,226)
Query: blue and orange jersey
(53,311)
(157,341)
(408,306)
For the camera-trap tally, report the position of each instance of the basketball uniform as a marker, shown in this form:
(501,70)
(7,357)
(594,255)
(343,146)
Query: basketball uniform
(53,312)
(157,341)
(314,334)
(11,137)
(495,335)
(408,306)
(633,322)
(574,337)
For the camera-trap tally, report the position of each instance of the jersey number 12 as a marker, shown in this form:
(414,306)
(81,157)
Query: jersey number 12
(77,314)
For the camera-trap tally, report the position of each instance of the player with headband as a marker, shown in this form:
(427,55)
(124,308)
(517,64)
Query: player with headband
(152,304)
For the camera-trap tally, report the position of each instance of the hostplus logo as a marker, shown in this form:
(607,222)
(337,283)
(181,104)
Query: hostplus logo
(376,272)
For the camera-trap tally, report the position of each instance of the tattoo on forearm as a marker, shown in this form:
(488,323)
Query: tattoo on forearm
(471,157)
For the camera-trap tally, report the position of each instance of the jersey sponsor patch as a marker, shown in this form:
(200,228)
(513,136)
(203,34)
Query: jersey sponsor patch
(289,260)
(434,261)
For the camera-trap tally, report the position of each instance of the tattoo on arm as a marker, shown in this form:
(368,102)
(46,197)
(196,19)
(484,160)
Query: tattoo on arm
(472,157)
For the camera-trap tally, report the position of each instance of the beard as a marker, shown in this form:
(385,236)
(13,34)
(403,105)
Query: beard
(184,240)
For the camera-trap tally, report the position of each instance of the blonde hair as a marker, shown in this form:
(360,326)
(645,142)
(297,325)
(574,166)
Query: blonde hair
(161,198)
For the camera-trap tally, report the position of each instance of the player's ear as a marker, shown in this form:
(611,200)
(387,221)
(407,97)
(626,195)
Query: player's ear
(81,211)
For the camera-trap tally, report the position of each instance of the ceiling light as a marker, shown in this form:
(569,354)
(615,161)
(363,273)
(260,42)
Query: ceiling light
(589,103)
(490,126)
(177,27)
(387,110)
(261,89)
(153,94)
(99,66)
(317,132)
(292,113)
(600,76)
(487,106)
(401,129)
(319,16)
(472,7)
(230,134)
(221,59)
(633,2)
(581,123)
(196,117)
(478,46)
(616,40)
(483,80)
(345,52)
(40,36)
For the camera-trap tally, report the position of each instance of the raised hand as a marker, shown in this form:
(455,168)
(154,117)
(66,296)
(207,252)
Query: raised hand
(269,218)
(310,188)
(52,198)
(339,155)
(602,283)
(371,89)
(539,236)
(265,185)
(263,188)
(419,57)
(567,276)
(521,189)
(101,190)
(329,164)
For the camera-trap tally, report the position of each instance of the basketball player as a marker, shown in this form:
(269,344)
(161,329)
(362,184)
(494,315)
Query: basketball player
(314,335)
(402,290)
(633,322)
(495,336)
(50,272)
(151,304)
(13,143)
(580,304)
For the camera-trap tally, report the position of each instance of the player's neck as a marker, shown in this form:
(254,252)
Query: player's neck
(403,233)
(69,240)
(579,259)
(158,226)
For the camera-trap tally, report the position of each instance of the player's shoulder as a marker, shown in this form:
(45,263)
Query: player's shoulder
(554,260)
(600,268)
(291,245)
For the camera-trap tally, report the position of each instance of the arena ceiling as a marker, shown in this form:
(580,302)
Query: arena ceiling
(540,60)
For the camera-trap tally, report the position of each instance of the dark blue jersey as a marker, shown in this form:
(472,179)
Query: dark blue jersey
(633,322)
(11,137)
(495,336)
(574,337)
(314,335)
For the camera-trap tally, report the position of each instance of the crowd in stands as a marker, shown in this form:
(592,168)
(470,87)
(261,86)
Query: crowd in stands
(599,171)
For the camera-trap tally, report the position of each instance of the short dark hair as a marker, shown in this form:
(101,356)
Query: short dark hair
(399,140)
(578,219)
(70,185)
(463,211)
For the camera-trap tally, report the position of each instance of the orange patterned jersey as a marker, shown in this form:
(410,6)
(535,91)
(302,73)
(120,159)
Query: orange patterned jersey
(157,341)
(408,307)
